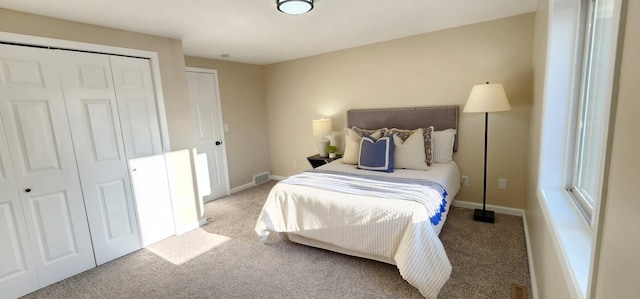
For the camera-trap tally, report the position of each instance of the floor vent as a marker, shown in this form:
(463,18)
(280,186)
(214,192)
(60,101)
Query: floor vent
(261,178)
(519,292)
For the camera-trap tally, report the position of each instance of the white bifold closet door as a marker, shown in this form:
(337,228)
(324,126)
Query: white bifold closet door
(46,175)
(17,272)
(82,174)
(143,146)
(102,163)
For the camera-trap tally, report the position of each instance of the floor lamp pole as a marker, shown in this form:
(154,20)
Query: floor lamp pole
(484,215)
(484,175)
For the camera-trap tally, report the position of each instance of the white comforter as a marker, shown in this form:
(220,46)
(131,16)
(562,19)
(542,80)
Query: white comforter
(395,230)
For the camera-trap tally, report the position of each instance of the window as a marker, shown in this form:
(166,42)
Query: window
(594,102)
(582,44)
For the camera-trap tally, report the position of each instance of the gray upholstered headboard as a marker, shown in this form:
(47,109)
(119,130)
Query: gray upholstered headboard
(440,117)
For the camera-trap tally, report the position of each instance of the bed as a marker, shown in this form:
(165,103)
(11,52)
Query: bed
(403,232)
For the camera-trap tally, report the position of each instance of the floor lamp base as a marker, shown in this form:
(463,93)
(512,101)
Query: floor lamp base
(483,215)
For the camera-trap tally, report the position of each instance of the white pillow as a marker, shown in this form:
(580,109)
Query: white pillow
(352,145)
(442,145)
(410,153)
(426,133)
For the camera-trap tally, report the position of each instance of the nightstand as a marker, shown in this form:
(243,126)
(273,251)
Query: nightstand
(317,161)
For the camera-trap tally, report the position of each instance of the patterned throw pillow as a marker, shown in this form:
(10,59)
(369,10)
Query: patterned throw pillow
(352,139)
(404,134)
(376,154)
(362,132)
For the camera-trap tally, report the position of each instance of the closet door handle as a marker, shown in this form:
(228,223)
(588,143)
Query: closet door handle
(218,142)
(27,190)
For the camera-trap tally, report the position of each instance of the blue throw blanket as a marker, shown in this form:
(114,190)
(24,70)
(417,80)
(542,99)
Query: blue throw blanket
(376,186)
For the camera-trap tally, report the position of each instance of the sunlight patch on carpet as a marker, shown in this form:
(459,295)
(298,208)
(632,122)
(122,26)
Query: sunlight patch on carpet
(181,249)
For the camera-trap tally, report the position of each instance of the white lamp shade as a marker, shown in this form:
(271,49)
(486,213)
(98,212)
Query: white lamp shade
(322,127)
(487,98)
(295,7)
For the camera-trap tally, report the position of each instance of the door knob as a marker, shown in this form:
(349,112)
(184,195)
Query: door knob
(218,142)
(27,190)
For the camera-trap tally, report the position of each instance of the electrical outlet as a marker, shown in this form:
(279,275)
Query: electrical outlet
(294,164)
(465,180)
(502,184)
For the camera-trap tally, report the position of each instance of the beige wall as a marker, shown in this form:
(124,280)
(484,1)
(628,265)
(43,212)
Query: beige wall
(169,51)
(243,109)
(437,68)
(619,254)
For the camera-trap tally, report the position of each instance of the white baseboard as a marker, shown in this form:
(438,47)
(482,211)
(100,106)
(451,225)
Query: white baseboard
(497,209)
(242,187)
(251,184)
(532,273)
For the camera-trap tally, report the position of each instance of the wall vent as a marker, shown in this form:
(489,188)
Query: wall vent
(261,178)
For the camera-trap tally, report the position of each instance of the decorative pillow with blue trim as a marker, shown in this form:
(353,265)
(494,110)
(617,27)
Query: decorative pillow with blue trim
(376,154)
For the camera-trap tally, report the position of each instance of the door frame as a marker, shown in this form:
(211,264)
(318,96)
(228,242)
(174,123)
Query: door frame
(225,164)
(30,40)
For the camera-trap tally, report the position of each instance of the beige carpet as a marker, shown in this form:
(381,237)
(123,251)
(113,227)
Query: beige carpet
(225,259)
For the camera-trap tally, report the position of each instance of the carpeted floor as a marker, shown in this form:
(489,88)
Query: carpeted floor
(225,259)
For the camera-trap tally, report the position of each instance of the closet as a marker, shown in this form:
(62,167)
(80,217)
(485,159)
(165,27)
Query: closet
(73,125)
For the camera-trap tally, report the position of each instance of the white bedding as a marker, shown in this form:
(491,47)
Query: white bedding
(446,174)
(391,230)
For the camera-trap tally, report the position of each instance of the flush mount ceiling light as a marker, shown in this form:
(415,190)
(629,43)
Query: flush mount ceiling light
(294,7)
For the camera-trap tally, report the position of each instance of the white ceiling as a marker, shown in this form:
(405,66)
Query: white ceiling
(254,31)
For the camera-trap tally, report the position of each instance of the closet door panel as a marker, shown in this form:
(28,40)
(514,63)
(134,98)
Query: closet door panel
(102,164)
(101,133)
(141,133)
(54,226)
(137,123)
(46,175)
(35,133)
(115,209)
(17,272)
(137,105)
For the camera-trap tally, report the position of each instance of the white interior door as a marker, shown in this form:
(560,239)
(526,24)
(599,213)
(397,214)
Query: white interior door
(104,175)
(35,121)
(205,109)
(17,273)
(141,132)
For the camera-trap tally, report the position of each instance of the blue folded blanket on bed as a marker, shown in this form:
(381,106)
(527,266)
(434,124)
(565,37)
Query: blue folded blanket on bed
(376,186)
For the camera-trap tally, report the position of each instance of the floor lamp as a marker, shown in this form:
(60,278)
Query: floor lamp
(486,98)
